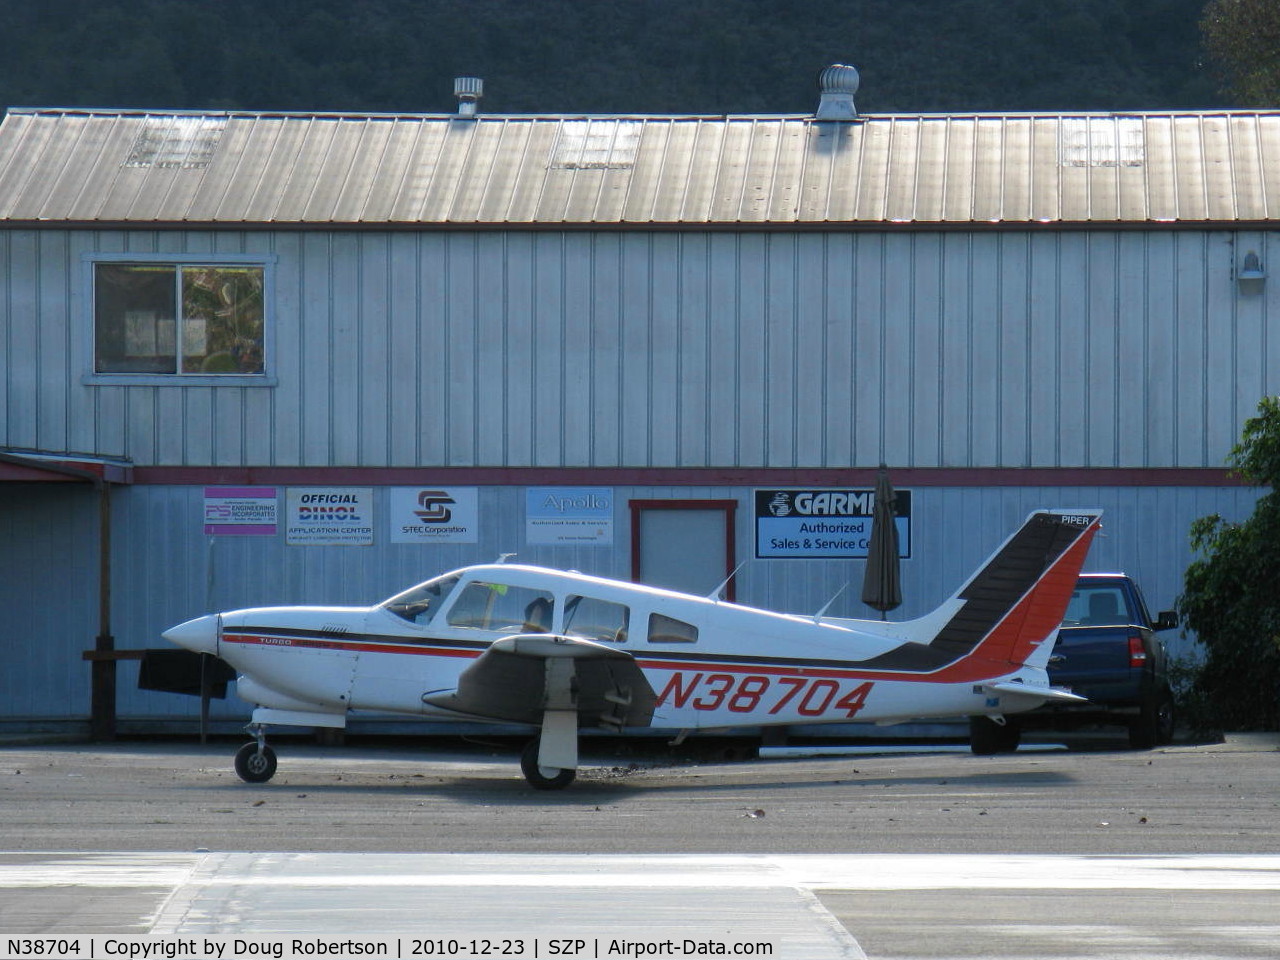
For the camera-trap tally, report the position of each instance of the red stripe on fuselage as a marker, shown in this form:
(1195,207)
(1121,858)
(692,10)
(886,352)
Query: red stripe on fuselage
(353,646)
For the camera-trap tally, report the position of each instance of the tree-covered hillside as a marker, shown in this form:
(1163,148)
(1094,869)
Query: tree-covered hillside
(603,56)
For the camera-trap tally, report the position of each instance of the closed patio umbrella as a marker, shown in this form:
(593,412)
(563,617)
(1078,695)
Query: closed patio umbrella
(881,584)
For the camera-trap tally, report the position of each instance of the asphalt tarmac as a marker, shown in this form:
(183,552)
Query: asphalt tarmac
(1091,852)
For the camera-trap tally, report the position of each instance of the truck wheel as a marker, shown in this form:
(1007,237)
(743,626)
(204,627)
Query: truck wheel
(1153,727)
(986,737)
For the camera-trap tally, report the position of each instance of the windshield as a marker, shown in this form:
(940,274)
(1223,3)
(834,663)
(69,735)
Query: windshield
(417,604)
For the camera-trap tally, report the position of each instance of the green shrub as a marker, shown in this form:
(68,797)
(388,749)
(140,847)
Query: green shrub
(1231,596)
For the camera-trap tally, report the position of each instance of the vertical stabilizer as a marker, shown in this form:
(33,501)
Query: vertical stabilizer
(1018,598)
(1002,614)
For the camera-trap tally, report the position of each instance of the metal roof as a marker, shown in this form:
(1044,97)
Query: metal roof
(132,167)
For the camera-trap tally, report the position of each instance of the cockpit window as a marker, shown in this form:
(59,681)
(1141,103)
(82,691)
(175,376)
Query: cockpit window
(500,606)
(418,604)
(596,619)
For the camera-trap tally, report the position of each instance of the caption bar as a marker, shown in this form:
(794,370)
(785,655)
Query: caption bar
(142,947)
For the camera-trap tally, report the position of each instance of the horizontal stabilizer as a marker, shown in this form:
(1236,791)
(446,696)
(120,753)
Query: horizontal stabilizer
(1056,694)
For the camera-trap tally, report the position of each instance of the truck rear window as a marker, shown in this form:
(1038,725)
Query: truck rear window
(1096,606)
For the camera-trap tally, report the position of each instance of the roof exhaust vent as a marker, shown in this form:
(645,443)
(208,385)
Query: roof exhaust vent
(836,85)
(468,90)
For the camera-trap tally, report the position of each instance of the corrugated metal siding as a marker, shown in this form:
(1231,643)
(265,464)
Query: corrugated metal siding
(48,539)
(166,570)
(175,572)
(923,349)
(242,168)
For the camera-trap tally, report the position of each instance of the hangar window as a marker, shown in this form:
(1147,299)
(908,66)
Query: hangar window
(500,606)
(176,321)
(596,619)
(664,629)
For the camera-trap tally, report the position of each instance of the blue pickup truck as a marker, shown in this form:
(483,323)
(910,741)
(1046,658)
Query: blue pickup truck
(1107,650)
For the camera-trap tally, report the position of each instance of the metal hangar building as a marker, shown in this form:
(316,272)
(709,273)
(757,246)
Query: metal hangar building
(270,358)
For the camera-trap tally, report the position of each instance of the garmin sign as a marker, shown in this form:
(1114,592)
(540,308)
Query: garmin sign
(825,524)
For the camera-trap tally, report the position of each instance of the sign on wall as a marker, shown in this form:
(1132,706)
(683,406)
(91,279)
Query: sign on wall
(434,515)
(569,515)
(329,516)
(825,523)
(240,511)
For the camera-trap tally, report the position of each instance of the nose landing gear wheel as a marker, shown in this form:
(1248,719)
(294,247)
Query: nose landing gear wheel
(254,765)
(543,778)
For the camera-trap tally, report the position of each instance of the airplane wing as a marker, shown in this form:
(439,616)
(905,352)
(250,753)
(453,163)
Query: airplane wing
(510,681)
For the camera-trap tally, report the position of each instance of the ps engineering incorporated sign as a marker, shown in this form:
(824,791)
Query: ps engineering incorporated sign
(824,523)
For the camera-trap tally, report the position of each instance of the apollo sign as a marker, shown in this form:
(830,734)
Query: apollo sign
(569,515)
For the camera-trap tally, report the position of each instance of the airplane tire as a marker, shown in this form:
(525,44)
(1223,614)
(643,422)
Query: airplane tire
(987,738)
(543,778)
(254,766)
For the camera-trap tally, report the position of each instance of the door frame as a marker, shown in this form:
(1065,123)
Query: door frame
(728,507)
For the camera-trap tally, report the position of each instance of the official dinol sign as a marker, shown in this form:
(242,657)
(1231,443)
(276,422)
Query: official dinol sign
(434,515)
(329,516)
(826,523)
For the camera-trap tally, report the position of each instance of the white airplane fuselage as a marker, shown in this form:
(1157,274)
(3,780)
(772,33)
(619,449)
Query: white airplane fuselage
(565,651)
(747,666)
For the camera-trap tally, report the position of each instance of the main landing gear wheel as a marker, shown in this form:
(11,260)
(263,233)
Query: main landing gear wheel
(987,737)
(543,778)
(255,764)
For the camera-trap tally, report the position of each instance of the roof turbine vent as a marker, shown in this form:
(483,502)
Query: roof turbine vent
(468,90)
(836,85)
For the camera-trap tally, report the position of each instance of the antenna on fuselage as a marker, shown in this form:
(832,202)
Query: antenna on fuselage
(817,617)
(504,557)
(715,594)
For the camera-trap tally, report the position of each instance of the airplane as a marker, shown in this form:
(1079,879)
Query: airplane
(565,652)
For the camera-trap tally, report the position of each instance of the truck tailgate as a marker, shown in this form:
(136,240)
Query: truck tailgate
(1094,662)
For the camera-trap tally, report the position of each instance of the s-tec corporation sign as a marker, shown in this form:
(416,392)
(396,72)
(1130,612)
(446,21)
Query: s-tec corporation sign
(434,515)
(826,523)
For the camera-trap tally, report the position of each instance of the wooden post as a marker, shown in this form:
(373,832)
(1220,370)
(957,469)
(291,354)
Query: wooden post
(102,705)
